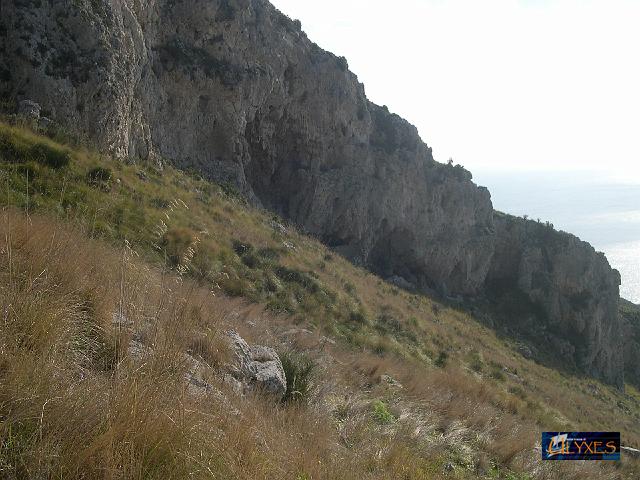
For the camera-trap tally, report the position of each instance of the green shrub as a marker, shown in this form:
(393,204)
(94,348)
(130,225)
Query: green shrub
(517,391)
(496,373)
(242,248)
(388,324)
(20,147)
(441,361)
(299,370)
(27,170)
(234,286)
(358,316)
(282,302)
(252,260)
(99,176)
(231,191)
(296,276)
(49,155)
(350,288)
(175,244)
(381,413)
(269,254)
(475,362)
(382,345)
(159,203)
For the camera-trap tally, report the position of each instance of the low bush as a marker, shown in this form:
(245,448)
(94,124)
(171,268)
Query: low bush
(475,362)
(18,146)
(441,360)
(358,317)
(299,370)
(175,244)
(99,176)
(381,413)
(296,276)
(497,373)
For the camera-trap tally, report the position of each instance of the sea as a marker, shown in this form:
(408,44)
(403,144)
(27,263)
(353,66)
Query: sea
(598,208)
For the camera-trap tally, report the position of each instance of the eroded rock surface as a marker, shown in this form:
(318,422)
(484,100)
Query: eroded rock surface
(257,367)
(568,288)
(236,90)
(630,317)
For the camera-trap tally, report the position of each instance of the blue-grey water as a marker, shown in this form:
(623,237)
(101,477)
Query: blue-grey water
(603,211)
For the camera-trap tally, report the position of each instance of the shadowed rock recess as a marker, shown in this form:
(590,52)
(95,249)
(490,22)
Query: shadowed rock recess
(235,90)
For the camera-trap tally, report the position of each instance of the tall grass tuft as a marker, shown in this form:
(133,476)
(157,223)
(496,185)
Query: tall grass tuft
(299,370)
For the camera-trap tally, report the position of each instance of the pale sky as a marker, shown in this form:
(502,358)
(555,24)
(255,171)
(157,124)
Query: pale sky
(507,84)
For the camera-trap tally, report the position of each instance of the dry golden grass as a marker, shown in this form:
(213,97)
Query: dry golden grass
(75,403)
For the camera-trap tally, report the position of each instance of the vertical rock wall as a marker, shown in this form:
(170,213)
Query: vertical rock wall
(236,90)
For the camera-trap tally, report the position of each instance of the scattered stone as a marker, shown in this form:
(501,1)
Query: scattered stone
(623,407)
(29,109)
(289,245)
(632,452)
(198,386)
(593,389)
(234,384)
(390,381)
(44,123)
(511,374)
(297,331)
(328,340)
(525,351)
(138,351)
(400,282)
(257,367)
(278,227)
(195,377)
(119,320)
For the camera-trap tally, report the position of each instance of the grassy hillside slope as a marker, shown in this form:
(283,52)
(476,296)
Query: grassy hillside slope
(403,386)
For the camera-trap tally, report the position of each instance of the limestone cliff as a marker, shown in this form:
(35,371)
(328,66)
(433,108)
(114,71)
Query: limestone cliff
(630,314)
(565,295)
(236,90)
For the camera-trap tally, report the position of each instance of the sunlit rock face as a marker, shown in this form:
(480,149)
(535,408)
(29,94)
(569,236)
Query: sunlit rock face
(235,90)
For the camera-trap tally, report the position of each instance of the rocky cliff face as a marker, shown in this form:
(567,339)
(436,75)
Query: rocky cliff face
(630,314)
(235,90)
(565,294)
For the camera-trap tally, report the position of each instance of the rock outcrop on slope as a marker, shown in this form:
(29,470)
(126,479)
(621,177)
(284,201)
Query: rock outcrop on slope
(256,367)
(630,317)
(236,90)
(562,293)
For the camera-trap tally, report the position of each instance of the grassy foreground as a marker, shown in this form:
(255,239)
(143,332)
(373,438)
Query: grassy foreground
(401,386)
